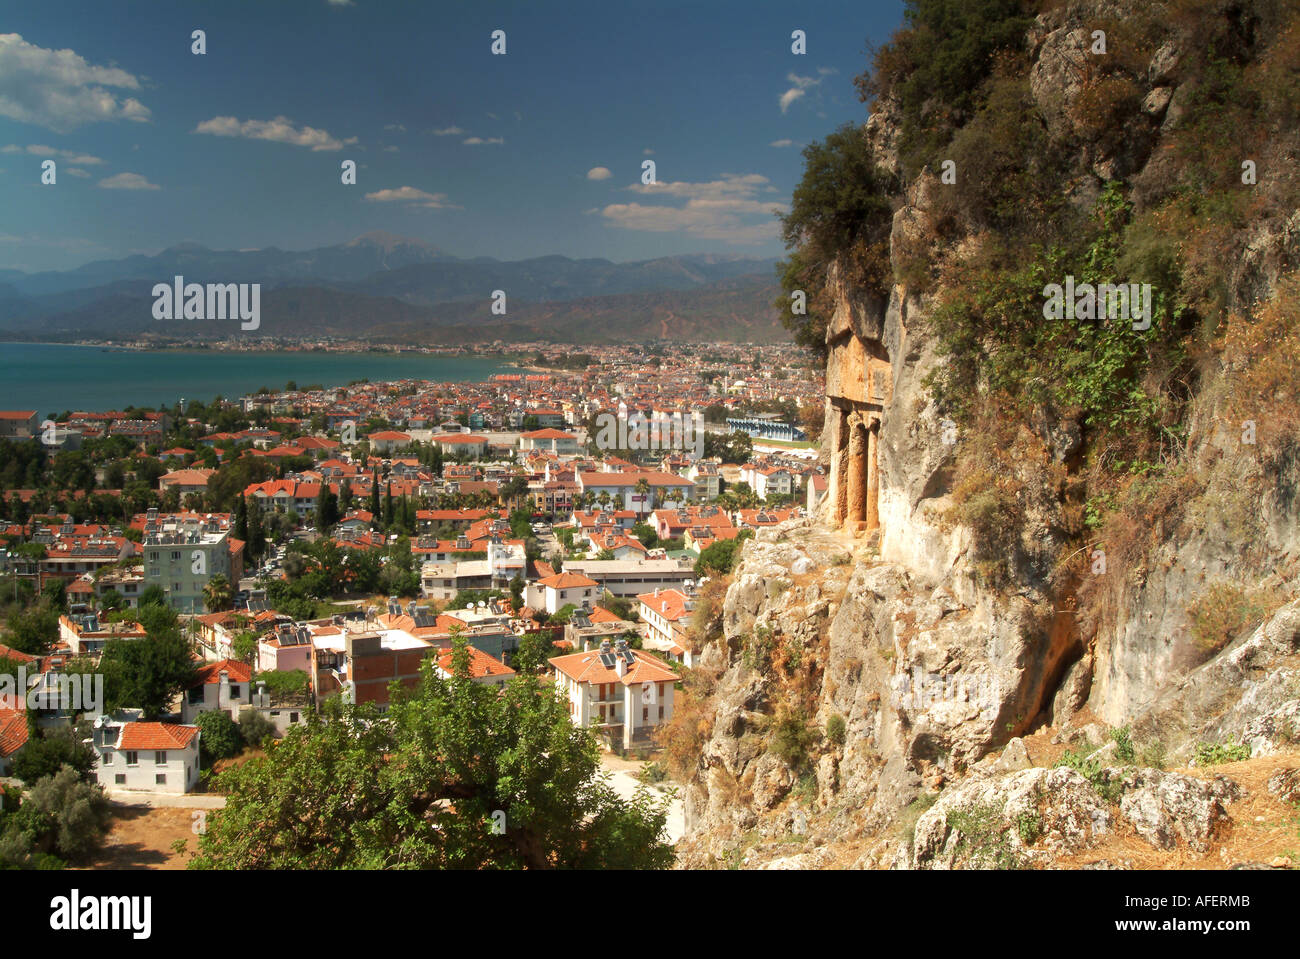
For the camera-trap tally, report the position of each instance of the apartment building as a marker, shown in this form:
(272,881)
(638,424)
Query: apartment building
(183,554)
(624,693)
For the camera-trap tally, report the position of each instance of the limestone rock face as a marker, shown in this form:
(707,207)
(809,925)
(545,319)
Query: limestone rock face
(1167,807)
(987,822)
(1285,785)
(1247,693)
(874,609)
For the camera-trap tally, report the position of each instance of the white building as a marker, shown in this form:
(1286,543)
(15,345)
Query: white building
(625,578)
(667,614)
(625,693)
(145,757)
(767,481)
(225,685)
(563,589)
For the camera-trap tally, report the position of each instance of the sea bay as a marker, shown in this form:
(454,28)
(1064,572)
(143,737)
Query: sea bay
(51,378)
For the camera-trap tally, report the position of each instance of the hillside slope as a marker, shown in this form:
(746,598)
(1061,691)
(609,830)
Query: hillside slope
(1070,530)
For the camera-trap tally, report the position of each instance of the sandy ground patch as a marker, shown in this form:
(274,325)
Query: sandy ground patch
(623,779)
(141,837)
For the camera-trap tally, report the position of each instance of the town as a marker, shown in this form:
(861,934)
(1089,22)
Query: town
(306,544)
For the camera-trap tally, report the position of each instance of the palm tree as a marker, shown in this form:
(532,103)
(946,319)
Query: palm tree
(217,594)
(642,490)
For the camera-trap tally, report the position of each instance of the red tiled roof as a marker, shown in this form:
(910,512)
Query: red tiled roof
(670,604)
(566,581)
(586,668)
(211,672)
(480,664)
(13,731)
(143,736)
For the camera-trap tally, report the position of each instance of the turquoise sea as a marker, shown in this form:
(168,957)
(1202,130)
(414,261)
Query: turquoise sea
(50,378)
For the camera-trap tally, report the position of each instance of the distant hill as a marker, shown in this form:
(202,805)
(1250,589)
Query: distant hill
(381,286)
(739,309)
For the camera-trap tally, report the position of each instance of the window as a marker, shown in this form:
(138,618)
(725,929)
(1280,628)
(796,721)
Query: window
(153,556)
(176,554)
(160,757)
(645,714)
(132,758)
(195,695)
(234,690)
(108,759)
(293,717)
(119,779)
(160,779)
(661,690)
(661,712)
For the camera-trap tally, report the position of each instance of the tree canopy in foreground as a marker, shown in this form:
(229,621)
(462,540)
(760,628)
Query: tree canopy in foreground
(455,775)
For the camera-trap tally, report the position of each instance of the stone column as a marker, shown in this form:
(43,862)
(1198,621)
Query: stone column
(857,476)
(873,476)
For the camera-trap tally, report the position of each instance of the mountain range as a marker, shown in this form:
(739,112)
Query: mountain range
(395,289)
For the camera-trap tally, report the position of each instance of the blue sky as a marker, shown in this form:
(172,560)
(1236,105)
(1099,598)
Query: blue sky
(535,152)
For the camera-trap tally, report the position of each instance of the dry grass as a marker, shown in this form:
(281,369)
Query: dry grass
(1262,827)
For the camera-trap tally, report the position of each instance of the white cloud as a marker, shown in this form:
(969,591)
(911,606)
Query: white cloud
(40,150)
(76,171)
(599,173)
(480,141)
(725,209)
(781,143)
(801,85)
(409,194)
(128,181)
(340,3)
(452,131)
(59,90)
(390,149)
(397,127)
(279,130)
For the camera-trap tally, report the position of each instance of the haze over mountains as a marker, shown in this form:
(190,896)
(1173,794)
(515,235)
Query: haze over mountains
(395,289)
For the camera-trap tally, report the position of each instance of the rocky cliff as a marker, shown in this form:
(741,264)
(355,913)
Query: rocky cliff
(895,681)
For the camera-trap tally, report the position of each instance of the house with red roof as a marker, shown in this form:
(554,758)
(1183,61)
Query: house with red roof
(136,756)
(13,736)
(667,614)
(551,440)
(622,692)
(483,668)
(384,442)
(226,685)
(563,589)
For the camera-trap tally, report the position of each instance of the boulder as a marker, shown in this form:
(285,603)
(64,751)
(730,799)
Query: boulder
(1165,807)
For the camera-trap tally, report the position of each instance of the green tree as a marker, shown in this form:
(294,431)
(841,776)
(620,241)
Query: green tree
(61,812)
(244,645)
(217,593)
(254,728)
(219,737)
(147,674)
(534,651)
(32,630)
(327,509)
(153,596)
(49,751)
(426,785)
